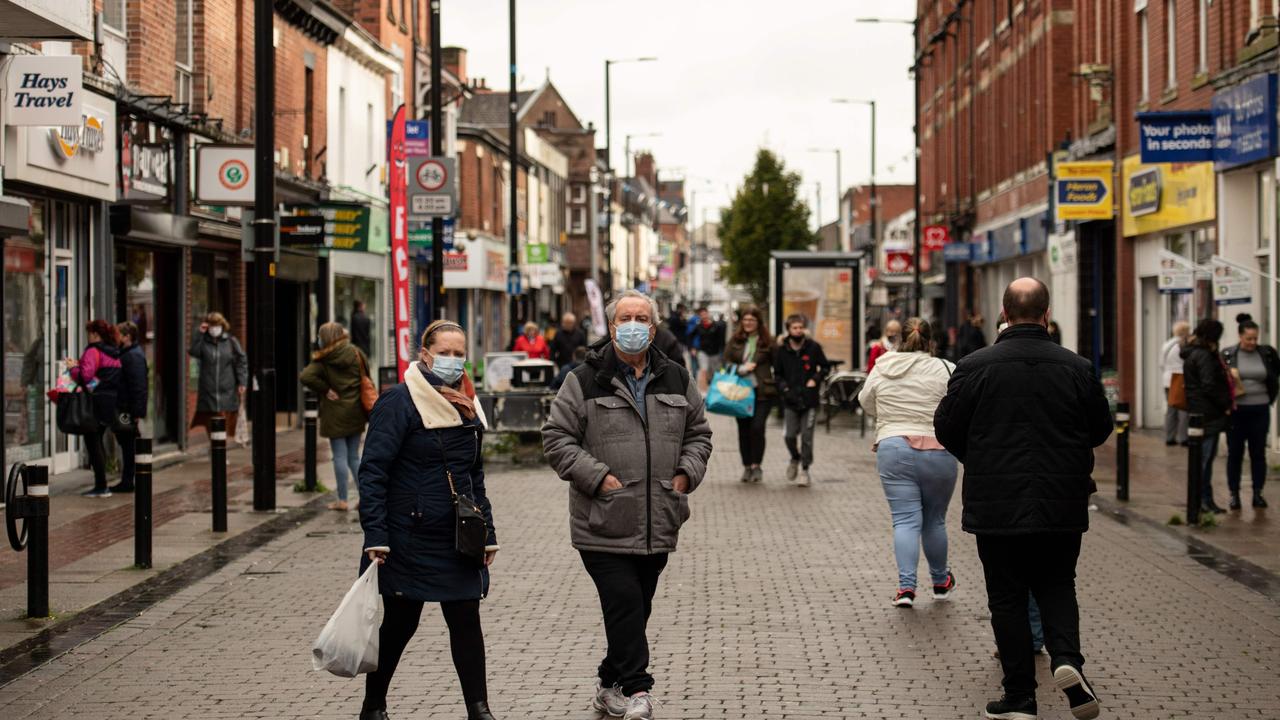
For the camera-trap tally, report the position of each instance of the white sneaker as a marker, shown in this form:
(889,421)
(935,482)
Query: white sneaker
(609,700)
(639,707)
(805,479)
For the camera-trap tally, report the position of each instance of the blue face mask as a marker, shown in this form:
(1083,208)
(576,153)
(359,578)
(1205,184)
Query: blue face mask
(632,337)
(448,369)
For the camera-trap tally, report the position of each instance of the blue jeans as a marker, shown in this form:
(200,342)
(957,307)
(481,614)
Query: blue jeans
(1037,627)
(346,455)
(1208,451)
(918,485)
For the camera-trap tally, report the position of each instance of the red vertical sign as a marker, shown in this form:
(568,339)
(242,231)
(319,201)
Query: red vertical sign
(400,241)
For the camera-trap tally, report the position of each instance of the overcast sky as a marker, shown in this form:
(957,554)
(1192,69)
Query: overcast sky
(731,76)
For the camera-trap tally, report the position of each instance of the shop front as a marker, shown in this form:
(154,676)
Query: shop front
(475,272)
(65,175)
(357,242)
(1005,250)
(1169,212)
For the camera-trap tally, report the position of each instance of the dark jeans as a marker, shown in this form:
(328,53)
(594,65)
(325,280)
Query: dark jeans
(1249,424)
(127,456)
(466,640)
(97,457)
(1045,565)
(626,584)
(751,433)
(1208,451)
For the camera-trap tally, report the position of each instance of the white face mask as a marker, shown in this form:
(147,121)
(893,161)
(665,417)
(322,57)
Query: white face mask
(215,331)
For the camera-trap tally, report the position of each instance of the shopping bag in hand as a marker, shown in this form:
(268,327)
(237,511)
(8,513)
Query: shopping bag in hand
(348,644)
(731,394)
(242,426)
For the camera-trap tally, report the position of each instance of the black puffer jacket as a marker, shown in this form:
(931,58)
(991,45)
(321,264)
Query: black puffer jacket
(133,382)
(1024,416)
(1208,389)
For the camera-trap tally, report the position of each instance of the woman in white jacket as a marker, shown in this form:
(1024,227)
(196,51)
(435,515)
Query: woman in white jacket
(918,475)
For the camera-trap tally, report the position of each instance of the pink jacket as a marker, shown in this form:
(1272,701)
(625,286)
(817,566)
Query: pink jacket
(92,361)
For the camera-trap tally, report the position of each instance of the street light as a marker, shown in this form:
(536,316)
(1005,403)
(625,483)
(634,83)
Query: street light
(917,283)
(875,196)
(839,185)
(608,158)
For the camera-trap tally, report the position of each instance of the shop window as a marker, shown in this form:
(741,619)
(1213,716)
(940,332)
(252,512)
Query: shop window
(1171,44)
(1265,204)
(347,290)
(27,370)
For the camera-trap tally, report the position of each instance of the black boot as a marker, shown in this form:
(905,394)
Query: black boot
(1235,501)
(373,715)
(1258,502)
(1209,506)
(479,711)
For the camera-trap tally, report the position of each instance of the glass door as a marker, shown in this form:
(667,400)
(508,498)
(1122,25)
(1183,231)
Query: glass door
(65,321)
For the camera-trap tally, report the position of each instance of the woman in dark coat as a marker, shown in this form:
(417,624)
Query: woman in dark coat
(428,423)
(132,401)
(223,370)
(751,349)
(334,375)
(98,371)
(1209,394)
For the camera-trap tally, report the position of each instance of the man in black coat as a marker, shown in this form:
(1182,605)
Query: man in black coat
(568,338)
(799,368)
(131,400)
(1024,416)
(361,329)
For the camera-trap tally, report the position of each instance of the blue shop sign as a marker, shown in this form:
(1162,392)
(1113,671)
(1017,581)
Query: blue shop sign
(1006,241)
(1035,233)
(981,248)
(957,252)
(1182,136)
(1244,117)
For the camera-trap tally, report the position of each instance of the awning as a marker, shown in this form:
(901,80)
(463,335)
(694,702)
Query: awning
(135,223)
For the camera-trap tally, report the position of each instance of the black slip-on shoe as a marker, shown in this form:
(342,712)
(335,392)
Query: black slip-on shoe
(1080,695)
(1012,708)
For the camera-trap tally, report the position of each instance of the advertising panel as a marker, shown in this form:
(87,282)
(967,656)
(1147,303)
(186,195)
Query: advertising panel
(1177,274)
(224,174)
(1181,136)
(1232,285)
(43,90)
(1244,117)
(824,288)
(1167,195)
(1083,191)
(399,241)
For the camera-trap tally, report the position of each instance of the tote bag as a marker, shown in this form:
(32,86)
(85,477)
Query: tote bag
(1177,392)
(75,413)
(731,394)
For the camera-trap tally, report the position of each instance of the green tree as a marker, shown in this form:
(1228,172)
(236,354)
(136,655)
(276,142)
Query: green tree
(766,214)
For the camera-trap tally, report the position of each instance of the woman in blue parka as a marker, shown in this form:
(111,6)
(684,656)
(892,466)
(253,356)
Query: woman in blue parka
(429,422)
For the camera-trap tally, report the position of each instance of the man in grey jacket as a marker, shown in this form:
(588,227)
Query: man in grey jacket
(628,432)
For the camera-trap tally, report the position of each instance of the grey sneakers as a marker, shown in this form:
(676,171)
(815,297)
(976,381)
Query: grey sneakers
(792,470)
(639,707)
(747,474)
(609,700)
(804,478)
(757,474)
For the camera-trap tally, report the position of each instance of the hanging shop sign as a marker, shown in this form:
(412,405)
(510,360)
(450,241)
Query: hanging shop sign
(1167,195)
(301,229)
(536,254)
(146,155)
(1232,285)
(420,235)
(1063,253)
(343,226)
(398,191)
(1177,274)
(1083,191)
(957,252)
(43,90)
(1244,119)
(78,158)
(897,262)
(224,174)
(934,237)
(1182,136)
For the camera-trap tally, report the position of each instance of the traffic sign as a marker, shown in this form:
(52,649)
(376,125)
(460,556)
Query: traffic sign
(433,191)
(431,175)
(513,282)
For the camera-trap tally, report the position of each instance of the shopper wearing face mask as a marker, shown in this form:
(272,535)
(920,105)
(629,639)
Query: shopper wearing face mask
(799,367)
(223,370)
(628,432)
(888,343)
(423,444)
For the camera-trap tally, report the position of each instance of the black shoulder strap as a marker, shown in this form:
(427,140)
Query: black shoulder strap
(946,365)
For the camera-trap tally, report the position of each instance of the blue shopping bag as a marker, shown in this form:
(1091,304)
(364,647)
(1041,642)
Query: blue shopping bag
(731,394)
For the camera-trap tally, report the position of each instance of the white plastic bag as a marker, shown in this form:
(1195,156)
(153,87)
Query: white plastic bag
(348,644)
(242,424)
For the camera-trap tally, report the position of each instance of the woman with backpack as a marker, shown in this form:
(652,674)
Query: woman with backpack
(334,375)
(918,474)
(98,372)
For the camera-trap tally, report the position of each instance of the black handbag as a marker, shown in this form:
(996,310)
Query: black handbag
(471,530)
(75,413)
(124,423)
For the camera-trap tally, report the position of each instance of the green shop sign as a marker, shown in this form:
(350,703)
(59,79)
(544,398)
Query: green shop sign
(346,225)
(537,254)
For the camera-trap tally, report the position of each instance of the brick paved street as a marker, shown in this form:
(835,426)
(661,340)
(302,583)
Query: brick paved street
(777,606)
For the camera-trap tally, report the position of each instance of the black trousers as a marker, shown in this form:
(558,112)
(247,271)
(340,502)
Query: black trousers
(751,433)
(1045,565)
(127,456)
(97,457)
(399,623)
(626,584)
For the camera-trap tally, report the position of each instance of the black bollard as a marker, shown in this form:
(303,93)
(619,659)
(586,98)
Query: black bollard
(36,511)
(309,415)
(1122,451)
(218,461)
(1195,466)
(142,502)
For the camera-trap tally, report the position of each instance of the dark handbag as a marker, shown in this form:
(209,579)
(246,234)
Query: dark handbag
(124,423)
(75,414)
(471,530)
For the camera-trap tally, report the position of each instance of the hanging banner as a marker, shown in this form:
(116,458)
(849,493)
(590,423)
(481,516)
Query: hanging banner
(1177,274)
(596,300)
(1231,285)
(399,191)
(1084,191)
(1180,136)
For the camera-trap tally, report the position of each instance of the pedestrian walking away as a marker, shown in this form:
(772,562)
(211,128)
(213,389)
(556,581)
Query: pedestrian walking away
(710,343)
(751,349)
(579,357)
(223,370)
(361,328)
(1024,416)
(1175,418)
(334,376)
(568,338)
(532,342)
(888,343)
(799,369)
(423,446)
(902,392)
(131,403)
(98,372)
(628,432)
(969,336)
(1258,368)
(666,343)
(1209,393)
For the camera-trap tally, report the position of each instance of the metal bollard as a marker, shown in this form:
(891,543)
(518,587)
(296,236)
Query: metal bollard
(309,415)
(142,502)
(218,461)
(36,511)
(1195,466)
(1122,451)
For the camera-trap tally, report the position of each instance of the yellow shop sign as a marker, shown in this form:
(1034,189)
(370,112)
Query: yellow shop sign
(1159,196)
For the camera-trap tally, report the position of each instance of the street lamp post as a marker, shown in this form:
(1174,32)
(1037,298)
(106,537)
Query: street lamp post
(608,162)
(875,195)
(839,187)
(917,283)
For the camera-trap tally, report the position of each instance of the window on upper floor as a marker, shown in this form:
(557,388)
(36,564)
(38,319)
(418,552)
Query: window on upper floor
(1144,50)
(1171,44)
(578,193)
(1202,37)
(577,220)
(113,15)
(184,54)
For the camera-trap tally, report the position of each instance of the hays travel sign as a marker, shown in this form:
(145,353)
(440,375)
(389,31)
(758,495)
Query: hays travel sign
(43,90)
